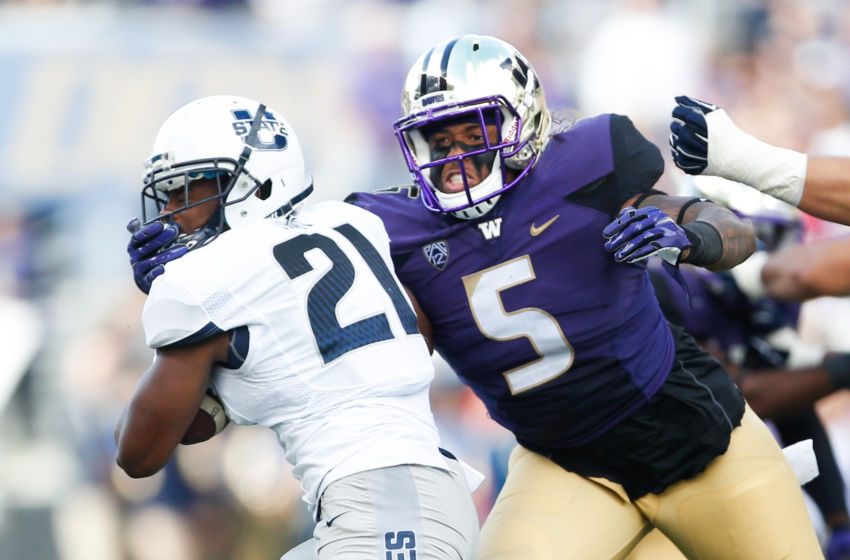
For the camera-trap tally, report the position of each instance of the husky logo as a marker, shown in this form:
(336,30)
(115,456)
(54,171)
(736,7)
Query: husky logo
(437,253)
(491,229)
(271,134)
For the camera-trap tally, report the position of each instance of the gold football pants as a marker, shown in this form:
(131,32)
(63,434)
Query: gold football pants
(746,505)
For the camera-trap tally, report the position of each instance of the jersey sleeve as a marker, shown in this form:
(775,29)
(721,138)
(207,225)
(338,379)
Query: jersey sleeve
(173,316)
(600,162)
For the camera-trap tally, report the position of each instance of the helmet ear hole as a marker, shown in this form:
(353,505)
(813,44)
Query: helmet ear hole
(265,190)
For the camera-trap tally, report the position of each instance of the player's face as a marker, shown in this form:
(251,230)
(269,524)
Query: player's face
(194,218)
(458,139)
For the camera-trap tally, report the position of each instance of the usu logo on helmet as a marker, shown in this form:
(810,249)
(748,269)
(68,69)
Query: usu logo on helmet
(271,133)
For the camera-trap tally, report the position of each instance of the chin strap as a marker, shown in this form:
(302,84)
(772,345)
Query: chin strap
(294,201)
(477,210)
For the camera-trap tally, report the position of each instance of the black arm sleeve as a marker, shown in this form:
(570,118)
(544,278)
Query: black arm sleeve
(637,161)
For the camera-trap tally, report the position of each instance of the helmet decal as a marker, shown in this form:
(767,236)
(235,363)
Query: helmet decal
(431,83)
(248,126)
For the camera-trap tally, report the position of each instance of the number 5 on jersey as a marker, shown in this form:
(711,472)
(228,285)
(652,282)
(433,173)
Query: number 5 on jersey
(483,290)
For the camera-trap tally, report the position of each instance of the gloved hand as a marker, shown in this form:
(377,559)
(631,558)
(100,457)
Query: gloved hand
(637,234)
(689,134)
(145,249)
(839,545)
(705,141)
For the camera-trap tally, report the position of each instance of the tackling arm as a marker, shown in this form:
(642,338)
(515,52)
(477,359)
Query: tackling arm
(736,236)
(826,193)
(164,403)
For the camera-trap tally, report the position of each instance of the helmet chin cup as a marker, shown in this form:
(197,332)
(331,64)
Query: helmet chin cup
(195,239)
(477,210)
(471,202)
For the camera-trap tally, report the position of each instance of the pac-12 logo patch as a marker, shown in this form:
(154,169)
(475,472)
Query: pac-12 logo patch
(437,253)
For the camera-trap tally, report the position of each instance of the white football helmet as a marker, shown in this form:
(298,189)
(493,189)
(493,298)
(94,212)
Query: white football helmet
(479,79)
(251,150)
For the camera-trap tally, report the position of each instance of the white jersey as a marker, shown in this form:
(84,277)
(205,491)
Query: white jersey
(334,362)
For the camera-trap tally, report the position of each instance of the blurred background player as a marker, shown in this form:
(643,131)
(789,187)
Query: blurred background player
(296,321)
(704,141)
(809,270)
(506,241)
(756,338)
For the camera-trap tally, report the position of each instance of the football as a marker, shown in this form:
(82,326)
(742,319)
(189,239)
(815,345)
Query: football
(209,420)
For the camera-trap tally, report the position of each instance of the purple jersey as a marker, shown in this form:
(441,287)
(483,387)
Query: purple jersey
(559,341)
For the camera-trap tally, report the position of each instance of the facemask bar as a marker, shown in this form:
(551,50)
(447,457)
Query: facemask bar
(417,156)
(160,185)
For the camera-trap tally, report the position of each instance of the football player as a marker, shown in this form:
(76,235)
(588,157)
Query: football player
(756,337)
(525,246)
(296,321)
(705,141)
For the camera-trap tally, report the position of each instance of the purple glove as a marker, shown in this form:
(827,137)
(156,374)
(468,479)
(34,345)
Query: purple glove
(839,545)
(146,250)
(637,234)
(689,134)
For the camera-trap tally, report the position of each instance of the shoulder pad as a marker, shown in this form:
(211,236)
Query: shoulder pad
(578,156)
(173,316)
(405,218)
(398,192)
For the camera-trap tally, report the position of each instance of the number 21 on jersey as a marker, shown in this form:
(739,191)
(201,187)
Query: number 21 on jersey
(333,339)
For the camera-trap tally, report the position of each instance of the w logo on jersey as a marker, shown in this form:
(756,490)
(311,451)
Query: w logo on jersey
(437,253)
(491,229)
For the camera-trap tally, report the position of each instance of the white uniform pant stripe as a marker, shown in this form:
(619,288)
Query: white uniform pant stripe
(399,526)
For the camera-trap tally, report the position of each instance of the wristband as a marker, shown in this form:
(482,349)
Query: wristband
(687,205)
(837,367)
(706,243)
(735,155)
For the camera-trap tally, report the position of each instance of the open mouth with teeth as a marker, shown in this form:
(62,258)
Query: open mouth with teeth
(452,180)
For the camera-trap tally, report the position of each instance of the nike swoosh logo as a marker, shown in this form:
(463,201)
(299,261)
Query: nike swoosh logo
(535,231)
(334,518)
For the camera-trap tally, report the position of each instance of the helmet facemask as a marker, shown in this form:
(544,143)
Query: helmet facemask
(163,181)
(426,163)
